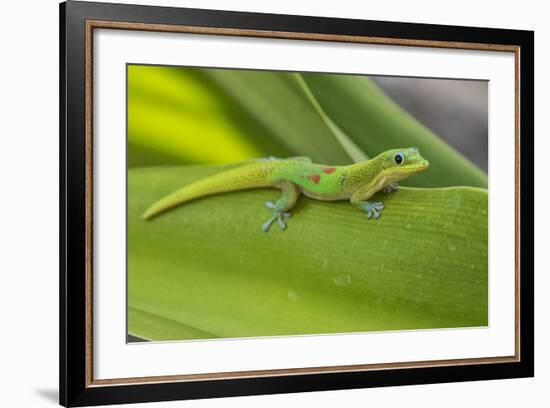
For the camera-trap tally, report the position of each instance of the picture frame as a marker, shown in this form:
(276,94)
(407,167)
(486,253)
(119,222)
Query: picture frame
(79,23)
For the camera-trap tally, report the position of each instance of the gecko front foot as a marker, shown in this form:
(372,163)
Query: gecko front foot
(372,209)
(278,216)
(390,188)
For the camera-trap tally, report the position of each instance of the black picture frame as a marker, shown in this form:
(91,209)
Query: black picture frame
(76,387)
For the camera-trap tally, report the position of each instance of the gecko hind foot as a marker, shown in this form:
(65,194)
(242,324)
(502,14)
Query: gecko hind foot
(390,188)
(278,216)
(372,209)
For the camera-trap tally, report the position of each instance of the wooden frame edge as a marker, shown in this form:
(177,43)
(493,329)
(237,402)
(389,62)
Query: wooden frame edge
(89,205)
(231,375)
(517,199)
(290,35)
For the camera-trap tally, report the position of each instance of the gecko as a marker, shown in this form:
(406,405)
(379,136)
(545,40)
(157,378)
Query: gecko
(299,175)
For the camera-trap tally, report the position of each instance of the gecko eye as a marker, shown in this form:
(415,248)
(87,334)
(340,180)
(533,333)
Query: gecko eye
(399,158)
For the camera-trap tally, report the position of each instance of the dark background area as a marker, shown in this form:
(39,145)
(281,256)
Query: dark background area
(455,110)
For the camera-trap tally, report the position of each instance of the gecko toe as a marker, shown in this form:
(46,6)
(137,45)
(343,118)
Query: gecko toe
(278,216)
(372,209)
(267,224)
(282,223)
(390,188)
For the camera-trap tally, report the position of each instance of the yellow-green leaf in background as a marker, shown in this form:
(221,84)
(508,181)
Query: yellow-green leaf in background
(177,115)
(277,100)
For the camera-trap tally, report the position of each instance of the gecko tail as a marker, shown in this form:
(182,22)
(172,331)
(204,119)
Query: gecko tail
(254,175)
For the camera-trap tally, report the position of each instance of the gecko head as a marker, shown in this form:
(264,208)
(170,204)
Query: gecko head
(401,163)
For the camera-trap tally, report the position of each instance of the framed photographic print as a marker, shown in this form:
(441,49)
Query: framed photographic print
(256,203)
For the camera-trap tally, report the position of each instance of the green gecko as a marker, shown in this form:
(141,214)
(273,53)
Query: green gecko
(295,176)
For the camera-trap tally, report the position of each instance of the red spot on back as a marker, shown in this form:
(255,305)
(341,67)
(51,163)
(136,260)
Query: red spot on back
(329,170)
(315,178)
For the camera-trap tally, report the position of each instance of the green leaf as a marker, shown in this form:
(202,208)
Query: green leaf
(279,103)
(348,145)
(376,123)
(162,327)
(178,115)
(205,269)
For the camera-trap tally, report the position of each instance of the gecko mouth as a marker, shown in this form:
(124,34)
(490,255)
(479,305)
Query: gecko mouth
(423,165)
(415,168)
